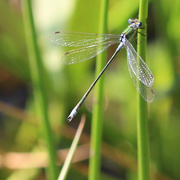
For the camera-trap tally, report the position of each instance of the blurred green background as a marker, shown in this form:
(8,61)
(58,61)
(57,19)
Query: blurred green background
(20,129)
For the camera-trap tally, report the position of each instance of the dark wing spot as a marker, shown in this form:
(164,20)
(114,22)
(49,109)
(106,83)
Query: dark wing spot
(66,53)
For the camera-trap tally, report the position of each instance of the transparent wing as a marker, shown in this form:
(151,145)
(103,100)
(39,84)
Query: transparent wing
(83,54)
(146,92)
(141,75)
(79,39)
(140,70)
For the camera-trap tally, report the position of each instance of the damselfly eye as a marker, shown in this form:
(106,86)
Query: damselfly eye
(130,21)
(139,24)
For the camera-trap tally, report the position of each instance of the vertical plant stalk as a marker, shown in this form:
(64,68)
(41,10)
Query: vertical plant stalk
(70,155)
(36,71)
(142,129)
(96,128)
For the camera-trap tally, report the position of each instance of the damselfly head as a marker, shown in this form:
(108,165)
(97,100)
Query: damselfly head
(135,22)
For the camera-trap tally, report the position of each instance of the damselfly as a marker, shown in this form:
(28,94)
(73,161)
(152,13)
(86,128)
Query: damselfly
(92,44)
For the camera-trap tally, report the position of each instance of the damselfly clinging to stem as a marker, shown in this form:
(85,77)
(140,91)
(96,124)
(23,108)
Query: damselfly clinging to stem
(92,44)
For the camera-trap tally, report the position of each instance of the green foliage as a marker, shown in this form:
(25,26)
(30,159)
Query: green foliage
(64,86)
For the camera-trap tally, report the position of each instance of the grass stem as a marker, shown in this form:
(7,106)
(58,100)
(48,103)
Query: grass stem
(142,129)
(36,70)
(96,128)
(69,158)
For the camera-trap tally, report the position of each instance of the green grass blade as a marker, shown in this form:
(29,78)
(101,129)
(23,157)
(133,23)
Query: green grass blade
(142,130)
(96,128)
(72,149)
(36,70)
